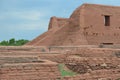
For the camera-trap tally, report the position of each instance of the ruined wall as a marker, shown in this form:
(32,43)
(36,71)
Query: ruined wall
(94,64)
(86,26)
(55,57)
(94,24)
(103,64)
(23,63)
(57,22)
(29,71)
(89,63)
(26,67)
(97,75)
(63,31)
(23,48)
(77,17)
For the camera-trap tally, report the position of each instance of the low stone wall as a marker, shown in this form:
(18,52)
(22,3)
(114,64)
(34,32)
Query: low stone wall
(44,70)
(94,63)
(69,48)
(55,57)
(84,64)
(25,53)
(96,75)
(52,56)
(90,63)
(18,59)
(23,48)
(95,52)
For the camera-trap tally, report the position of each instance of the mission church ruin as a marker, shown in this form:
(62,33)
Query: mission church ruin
(72,42)
(89,24)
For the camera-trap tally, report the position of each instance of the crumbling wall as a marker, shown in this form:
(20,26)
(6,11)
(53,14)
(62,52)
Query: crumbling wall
(89,63)
(65,31)
(84,64)
(97,75)
(57,22)
(86,25)
(31,71)
(55,57)
(25,64)
(27,68)
(23,48)
(94,63)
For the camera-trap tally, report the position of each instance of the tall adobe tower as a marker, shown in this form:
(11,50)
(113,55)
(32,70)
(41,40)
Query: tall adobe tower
(89,24)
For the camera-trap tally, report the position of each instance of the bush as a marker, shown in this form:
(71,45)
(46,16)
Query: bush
(13,42)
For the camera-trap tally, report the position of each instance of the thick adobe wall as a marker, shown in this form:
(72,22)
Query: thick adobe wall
(84,65)
(94,24)
(47,38)
(77,17)
(57,22)
(94,64)
(23,49)
(97,75)
(75,35)
(95,52)
(63,31)
(55,57)
(86,26)
(26,69)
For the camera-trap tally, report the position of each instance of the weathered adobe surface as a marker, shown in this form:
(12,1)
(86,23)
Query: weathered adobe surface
(94,64)
(79,29)
(92,76)
(89,63)
(23,63)
(60,32)
(28,68)
(83,64)
(23,48)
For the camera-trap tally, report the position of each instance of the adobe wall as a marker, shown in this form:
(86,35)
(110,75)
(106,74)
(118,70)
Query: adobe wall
(97,75)
(60,54)
(84,65)
(77,18)
(69,48)
(55,57)
(45,70)
(94,64)
(95,52)
(22,63)
(23,48)
(57,22)
(25,63)
(95,30)
(86,26)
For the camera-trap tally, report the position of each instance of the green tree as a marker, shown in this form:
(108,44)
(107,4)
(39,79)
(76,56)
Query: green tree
(21,42)
(12,41)
(3,43)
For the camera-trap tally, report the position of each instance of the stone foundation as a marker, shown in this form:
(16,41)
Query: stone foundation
(40,70)
(88,63)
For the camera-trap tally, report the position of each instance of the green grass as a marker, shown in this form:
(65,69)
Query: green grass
(65,72)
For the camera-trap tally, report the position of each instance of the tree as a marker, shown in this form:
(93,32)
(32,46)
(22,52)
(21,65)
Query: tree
(12,41)
(21,42)
(3,43)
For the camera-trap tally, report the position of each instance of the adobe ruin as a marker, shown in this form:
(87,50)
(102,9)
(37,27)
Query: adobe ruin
(89,24)
(74,42)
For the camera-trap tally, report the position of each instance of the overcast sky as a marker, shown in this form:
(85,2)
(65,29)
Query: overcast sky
(26,19)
